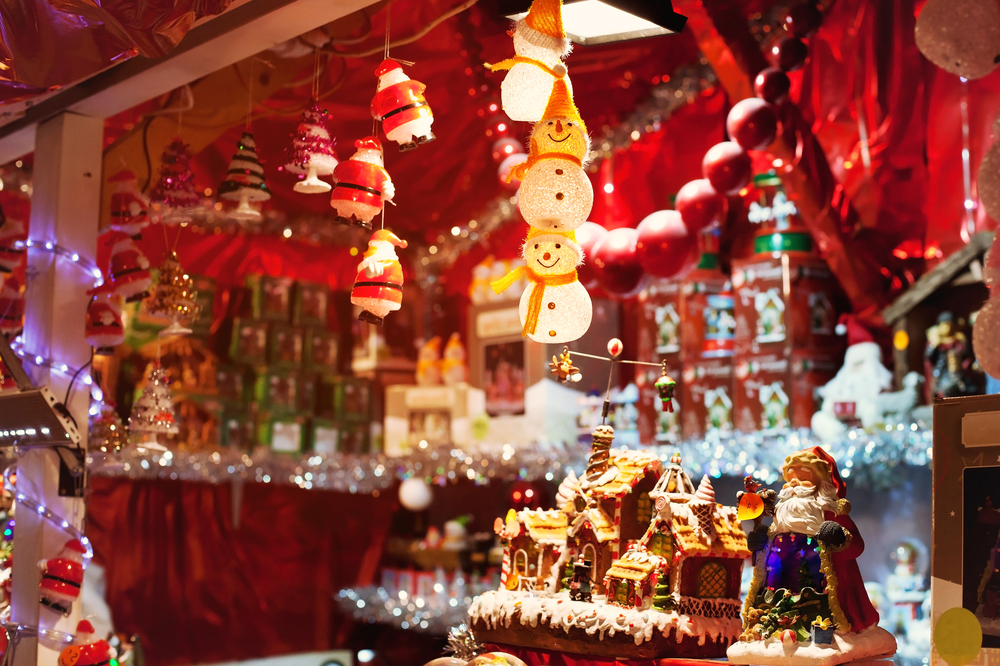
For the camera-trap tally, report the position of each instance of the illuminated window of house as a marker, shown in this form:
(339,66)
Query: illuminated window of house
(645,511)
(712,581)
(662,544)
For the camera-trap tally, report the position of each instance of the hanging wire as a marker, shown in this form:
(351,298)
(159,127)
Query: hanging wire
(316,70)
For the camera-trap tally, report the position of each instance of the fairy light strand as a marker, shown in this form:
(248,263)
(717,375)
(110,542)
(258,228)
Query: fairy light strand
(47,513)
(48,246)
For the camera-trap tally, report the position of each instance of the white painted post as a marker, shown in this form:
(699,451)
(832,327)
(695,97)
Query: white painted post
(64,210)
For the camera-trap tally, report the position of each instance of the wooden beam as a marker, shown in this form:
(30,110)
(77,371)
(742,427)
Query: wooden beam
(226,39)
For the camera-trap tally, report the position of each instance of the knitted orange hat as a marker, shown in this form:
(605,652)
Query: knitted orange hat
(545,16)
(561,105)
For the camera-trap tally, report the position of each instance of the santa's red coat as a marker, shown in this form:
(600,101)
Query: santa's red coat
(62,575)
(851,593)
(382,286)
(397,96)
(354,174)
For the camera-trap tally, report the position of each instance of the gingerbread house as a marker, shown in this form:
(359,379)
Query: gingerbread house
(533,553)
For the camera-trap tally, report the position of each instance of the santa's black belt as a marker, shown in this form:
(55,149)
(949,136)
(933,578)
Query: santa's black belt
(404,108)
(61,580)
(390,285)
(352,186)
(127,271)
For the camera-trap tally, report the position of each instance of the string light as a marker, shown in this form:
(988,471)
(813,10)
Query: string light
(48,246)
(63,369)
(47,513)
(20,629)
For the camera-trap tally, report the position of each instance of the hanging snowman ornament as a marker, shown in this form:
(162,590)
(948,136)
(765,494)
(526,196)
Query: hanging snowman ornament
(312,153)
(129,208)
(400,106)
(555,307)
(378,287)
(540,45)
(556,193)
(363,185)
(62,577)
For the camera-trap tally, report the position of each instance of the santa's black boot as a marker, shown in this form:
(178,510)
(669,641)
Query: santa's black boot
(343,220)
(407,147)
(426,139)
(370,318)
(364,224)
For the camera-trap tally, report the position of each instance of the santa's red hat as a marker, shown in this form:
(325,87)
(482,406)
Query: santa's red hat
(855,330)
(838,483)
(368,143)
(387,66)
(75,546)
(122,176)
(386,236)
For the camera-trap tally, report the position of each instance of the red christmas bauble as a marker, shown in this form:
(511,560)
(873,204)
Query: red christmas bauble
(617,265)
(803,20)
(752,123)
(666,247)
(505,167)
(727,167)
(790,53)
(772,85)
(505,147)
(587,236)
(700,205)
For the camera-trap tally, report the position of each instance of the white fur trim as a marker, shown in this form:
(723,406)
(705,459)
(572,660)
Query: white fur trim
(561,46)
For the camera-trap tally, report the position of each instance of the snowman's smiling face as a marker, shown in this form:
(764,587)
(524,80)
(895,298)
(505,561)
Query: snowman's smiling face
(550,257)
(561,135)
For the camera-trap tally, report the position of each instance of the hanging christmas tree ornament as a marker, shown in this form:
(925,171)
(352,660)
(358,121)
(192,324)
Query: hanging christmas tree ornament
(153,412)
(62,577)
(772,85)
(555,307)
(313,151)
(12,303)
(13,236)
(128,273)
(378,287)
(960,36)
(700,206)
(104,330)
(752,123)
(540,44)
(505,172)
(363,185)
(555,192)
(174,297)
(564,370)
(666,248)
(617,264)
(400,106)
(129,208)
(106,432)
(87,649)
(790,53)
(665,387)
(245,181)
(173,197)
(727,167)
(505,147)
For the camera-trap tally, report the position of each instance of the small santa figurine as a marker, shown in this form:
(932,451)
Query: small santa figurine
(363,185)
(12,303)
(104,329)
(400,105)
(128,274)
(378,287)
(62,577)
(87,649)
(129,208)
(12,244)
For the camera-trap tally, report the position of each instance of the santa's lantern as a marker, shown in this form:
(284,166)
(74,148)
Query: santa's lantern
(128,273)
(62,577)
(104,330)
(87,649)
(400,105)
(378,287)
(129,208)
(363,185)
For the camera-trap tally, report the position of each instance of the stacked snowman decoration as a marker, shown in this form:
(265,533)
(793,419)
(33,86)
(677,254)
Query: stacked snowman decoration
(555,197)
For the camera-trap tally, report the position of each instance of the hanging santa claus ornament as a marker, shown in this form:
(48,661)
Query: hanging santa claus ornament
(245,182)
(62,577)
(13,236)
(540,45)
(12,303)
(400,106)
(104,330)
(128,273)
(378,287)
(129,213)
(363,185)
(87,649)
(313,151)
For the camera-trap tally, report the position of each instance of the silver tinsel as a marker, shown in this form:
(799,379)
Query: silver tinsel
(434,615)
(462,643)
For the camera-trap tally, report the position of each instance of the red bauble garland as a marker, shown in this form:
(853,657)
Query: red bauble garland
(752,123)
(617,264)
(665,246)
(727,167)
(587,236)
(699,205)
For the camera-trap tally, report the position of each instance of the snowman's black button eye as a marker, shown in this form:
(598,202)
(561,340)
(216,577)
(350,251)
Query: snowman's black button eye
(569,124)
(536,246)
(558,246)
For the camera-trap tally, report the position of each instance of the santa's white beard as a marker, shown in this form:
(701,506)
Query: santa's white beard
(801,510)
(391,78)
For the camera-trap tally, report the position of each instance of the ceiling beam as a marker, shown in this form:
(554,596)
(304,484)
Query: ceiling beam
(237,34)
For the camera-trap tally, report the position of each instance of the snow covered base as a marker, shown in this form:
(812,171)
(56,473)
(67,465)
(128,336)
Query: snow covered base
(991,625)
(873,642)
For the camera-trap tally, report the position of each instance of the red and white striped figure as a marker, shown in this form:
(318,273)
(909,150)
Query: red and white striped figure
(129,208)
(62,577)
(378,287)
(128,274)
(400,105)
(363,185)
(104,330)
(13,235)
(86,651)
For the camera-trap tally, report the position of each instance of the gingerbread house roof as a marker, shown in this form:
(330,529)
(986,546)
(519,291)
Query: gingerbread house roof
(597,521)
(675,484)
(632,467)
(723,538)
(634,565)
(545,527)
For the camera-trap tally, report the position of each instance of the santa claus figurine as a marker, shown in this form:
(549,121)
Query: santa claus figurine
(400,105)
(12,243)
(128,274)
(378,288)
(87,649)
(363,185)
(807,576)
(129,208)
(62,577)
(12,303)
(104,329)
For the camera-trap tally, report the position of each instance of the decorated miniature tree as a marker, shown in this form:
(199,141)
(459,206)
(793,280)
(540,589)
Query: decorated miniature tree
(245,180)
(662,598)
(153,412)
(174,196)
(312,152)
(174,297)
(107,433)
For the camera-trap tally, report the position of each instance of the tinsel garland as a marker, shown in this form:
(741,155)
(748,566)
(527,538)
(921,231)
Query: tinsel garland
(865,458)
(436,615)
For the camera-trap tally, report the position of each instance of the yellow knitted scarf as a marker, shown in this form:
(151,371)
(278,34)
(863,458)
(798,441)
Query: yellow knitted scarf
(518,171)
(517,60)
(539,283)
